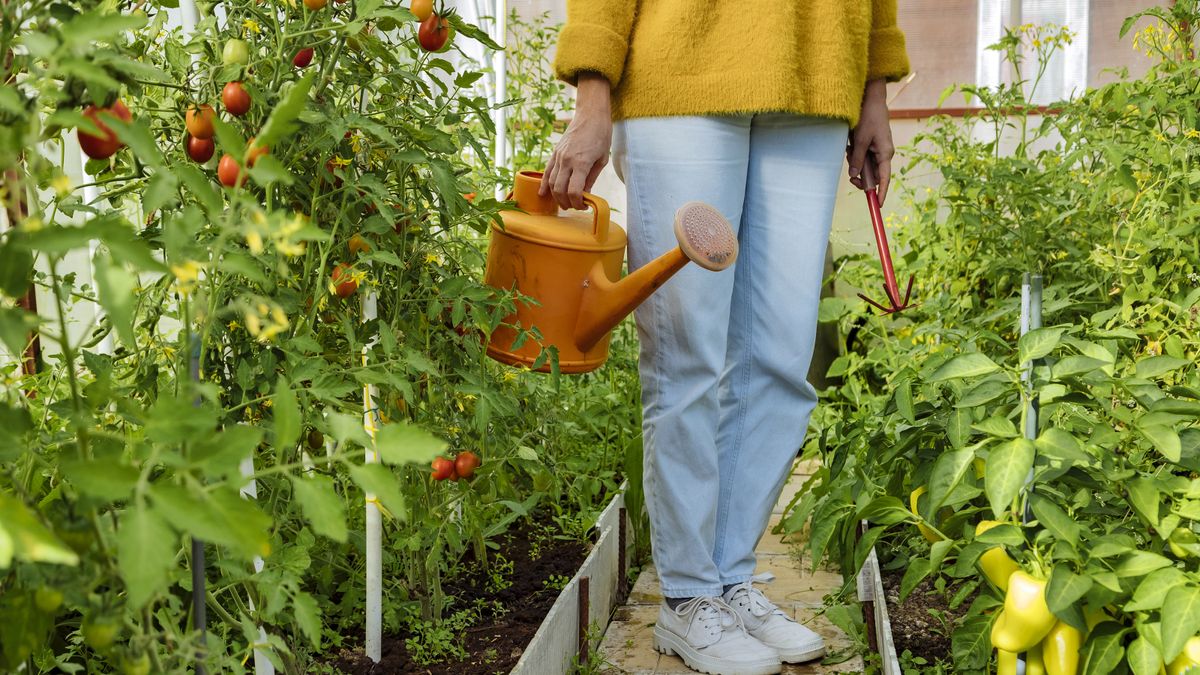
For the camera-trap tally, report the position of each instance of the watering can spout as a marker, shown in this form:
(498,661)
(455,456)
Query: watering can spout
(704,236)
(607,302)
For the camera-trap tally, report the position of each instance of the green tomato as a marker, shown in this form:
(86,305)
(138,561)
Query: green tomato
(99,632)
(236,52)
(139,665)
(47,599)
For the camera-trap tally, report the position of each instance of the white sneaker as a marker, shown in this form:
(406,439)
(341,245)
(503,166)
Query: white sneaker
(768,624)
(710,638)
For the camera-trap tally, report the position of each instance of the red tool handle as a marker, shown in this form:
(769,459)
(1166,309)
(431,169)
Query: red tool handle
(871,187)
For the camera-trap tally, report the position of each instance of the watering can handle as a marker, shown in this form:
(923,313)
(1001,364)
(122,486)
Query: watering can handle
(600,215)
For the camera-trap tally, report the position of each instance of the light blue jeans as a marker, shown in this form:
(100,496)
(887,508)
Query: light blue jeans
(725,355)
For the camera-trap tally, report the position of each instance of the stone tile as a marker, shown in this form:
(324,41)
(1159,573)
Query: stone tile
(797,586)
(794,484)
(627,647)
(840,648)
(807,466)
(645,590)
(779,544)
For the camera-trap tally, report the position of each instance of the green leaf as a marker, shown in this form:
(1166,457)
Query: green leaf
(1061,444)
(997,426)
(1076,365)
(321,505)
(971,643)
(1065,588)
(221,517)
(16,268)
(346,428)
(98,26)
(958,427)
(15,325)
(1054,518)
(1103,651)
(377,480)
(1143,657)
(917,570)
(1037,343)
(1008,467)
(884,510)
(137,136)
(1144,498)
(291,101)
(1140,563)
(1164,439)
(146,549)
(1182,606)
(1159,365)
(948,471)
(972,364)
(24,537)
(308,616)
(117,288)
(401,443)
(161,190)
(286,415)
(1153,590)
(984,392)
(110,481)
(268,170)
(904,400)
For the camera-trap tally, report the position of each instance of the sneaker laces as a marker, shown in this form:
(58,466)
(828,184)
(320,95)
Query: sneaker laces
(713,615)
(757,602)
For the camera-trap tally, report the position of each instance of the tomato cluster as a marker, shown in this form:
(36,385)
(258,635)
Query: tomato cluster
(462,466)
(106,143)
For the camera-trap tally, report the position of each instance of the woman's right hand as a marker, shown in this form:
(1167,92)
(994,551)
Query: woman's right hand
(582,152)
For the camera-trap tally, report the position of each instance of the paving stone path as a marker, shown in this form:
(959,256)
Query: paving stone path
(627,649)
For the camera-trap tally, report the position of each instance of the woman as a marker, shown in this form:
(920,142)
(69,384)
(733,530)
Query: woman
(745,106)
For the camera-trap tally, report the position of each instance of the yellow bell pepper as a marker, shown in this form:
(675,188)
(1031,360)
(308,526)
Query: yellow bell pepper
(1025,619)
(928,533)
(997,566)
(1060,649)
(1006,662)
(1188,660)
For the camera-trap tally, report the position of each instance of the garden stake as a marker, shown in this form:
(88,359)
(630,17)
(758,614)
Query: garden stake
(374,641)
(199,611)
(890,287)
(1031,319)
(262,664)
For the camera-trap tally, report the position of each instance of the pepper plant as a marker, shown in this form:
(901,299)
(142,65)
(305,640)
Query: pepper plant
(1100,549)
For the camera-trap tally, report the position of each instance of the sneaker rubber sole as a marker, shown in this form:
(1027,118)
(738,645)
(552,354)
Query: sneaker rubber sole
(802,656)
(666,642)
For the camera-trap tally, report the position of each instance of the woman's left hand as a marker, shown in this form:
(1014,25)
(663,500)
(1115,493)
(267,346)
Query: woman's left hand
(874,133)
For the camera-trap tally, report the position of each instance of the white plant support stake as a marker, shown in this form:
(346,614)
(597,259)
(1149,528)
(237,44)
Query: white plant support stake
(1031,319)
(374,521)
(500,67)
(90,194)
(262,664)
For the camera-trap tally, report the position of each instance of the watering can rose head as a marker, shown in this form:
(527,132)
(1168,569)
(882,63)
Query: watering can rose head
(570,262)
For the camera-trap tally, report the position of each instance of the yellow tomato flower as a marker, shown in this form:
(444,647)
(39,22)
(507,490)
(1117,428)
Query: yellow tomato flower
(252,26)
(61,184)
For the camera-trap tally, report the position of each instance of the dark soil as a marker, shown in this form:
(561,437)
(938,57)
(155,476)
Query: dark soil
(496,644)
(914,627)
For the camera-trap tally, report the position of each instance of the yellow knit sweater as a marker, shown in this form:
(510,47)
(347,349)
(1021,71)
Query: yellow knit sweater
(713,57)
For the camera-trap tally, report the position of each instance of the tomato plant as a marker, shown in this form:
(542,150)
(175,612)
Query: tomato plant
(236,99)
(434,33)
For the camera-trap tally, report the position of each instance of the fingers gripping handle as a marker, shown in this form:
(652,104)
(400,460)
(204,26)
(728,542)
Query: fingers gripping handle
(870,180)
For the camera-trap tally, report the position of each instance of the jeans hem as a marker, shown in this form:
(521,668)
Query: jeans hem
(694,592)
(739,579)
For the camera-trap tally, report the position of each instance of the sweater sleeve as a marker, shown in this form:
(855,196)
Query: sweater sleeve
(595,39)
(886,54)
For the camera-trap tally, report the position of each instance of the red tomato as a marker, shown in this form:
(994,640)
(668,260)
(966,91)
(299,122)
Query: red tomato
(303,57)
(236,99)
(200,149)
(433,33)
(199,121)
(228,171)
(421,9)
(331,167)
(466,463)
(442,469)
(343,284)
(106,144)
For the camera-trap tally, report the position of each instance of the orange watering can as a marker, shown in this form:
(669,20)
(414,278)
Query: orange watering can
(570,264)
